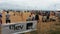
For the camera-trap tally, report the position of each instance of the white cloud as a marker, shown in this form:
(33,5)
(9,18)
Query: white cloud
(31,4)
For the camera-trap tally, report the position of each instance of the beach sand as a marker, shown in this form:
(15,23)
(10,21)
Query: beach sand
(42,27)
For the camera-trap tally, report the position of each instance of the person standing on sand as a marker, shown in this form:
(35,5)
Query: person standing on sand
(0,18)
(8,18)
(37,18)
(47,15)
(21,16)
(58,15)
(44,17)
(33,17)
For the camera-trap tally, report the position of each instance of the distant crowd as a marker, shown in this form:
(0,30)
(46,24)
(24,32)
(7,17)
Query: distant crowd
(45,16)
(34,16)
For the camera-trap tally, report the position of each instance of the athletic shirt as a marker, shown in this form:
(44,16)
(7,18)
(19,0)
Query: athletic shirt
(7,17)
(36,17)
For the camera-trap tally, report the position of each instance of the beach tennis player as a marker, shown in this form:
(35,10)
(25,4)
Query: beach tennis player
(8,18)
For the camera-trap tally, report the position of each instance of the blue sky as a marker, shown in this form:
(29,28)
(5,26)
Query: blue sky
(30,4)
